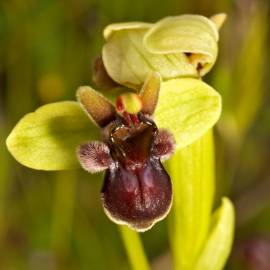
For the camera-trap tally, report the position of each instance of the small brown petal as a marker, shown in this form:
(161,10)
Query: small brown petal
(150,92)
(96,105)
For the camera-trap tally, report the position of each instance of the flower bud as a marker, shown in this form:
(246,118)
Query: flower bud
(175,47)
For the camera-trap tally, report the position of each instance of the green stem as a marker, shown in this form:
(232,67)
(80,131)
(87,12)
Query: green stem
(192,173)
(134,249)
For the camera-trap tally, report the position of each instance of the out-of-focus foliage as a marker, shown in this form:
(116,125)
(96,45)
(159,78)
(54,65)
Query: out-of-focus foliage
(55,220)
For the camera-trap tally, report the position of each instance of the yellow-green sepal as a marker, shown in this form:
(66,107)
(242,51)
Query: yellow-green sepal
(188,108)
(47,138)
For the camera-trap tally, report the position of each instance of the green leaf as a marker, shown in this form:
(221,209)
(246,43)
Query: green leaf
(47,138)
(192,34)
(128,62)
(192,171)
(219,242)
(188,108)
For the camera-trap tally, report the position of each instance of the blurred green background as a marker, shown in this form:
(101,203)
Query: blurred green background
(54,220)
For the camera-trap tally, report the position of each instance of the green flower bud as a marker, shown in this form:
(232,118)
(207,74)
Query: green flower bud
(180,46)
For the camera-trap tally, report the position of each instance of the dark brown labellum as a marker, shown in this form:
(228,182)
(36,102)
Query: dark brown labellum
(137,190)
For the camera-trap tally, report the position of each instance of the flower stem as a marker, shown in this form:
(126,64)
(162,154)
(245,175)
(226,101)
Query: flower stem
(134,249)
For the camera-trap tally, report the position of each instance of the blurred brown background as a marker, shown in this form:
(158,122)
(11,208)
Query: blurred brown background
(54,220)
